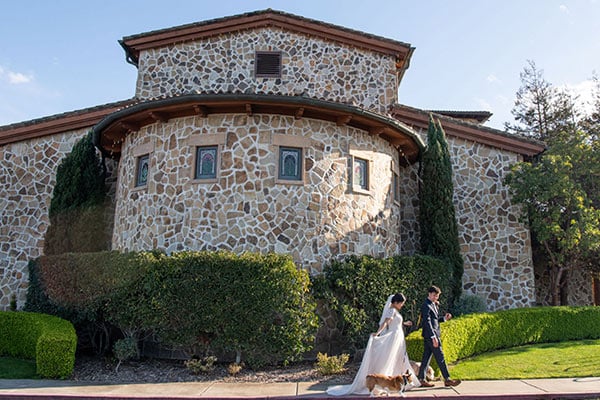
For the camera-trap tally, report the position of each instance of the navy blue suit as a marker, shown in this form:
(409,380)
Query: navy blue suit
(430,321)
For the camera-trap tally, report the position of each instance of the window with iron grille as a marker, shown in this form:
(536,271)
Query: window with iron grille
(267,64)
(141,178)
(206,162)
(290,163)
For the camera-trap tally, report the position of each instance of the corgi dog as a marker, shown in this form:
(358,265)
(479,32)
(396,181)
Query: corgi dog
(386,384)
(429,374)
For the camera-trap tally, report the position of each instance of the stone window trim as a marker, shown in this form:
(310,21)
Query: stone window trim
(195,141)
(299,142)
(267,64)
(140,152)
(361,155)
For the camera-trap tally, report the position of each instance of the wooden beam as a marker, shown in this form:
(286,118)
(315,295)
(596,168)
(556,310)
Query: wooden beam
(249,109)
(158,116)
(377,130)
(343,120)
(200,110)
(129,126)
(299,113)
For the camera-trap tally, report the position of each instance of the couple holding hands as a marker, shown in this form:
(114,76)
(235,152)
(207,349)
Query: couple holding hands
(386,354)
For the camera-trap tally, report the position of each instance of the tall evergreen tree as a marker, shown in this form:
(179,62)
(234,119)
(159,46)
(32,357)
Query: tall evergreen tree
(437,219)
(541,110)
(77,209)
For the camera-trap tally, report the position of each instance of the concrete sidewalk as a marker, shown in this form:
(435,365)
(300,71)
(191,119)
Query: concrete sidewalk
(564,388)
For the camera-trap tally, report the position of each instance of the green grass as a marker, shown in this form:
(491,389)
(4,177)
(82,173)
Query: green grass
(548,360)
(14,368)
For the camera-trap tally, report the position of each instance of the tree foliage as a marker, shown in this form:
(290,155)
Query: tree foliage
(541,110)
(437,219)
(560,189)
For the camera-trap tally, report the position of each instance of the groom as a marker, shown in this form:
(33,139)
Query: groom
(431,336)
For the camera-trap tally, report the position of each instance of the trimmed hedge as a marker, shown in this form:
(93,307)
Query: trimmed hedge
(50,340)
(256,306)
(474,334)
(356,288)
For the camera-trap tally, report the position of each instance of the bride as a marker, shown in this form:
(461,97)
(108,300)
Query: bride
(385,353)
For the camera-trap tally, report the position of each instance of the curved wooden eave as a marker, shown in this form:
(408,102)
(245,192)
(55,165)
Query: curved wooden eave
(112,130)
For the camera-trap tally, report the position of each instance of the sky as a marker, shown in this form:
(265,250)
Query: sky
(63,55)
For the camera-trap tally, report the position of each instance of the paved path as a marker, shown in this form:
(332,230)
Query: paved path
(564,388)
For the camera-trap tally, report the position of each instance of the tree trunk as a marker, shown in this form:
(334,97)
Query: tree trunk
(556,274)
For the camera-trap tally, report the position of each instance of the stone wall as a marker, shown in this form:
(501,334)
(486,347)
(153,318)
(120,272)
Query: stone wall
(496,247)
(246,208)
(311,67)
(578,291)
(27,178)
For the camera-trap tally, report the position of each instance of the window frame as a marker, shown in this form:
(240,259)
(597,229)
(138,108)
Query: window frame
(362,162)
(213,176)
(280,162)
(367,157)
(395,185)
(138,161)
(290,141)
(196,141)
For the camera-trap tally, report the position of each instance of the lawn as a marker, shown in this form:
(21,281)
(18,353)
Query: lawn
(13,368)
(548,360)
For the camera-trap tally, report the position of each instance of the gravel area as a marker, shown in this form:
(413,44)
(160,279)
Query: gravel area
(95,369)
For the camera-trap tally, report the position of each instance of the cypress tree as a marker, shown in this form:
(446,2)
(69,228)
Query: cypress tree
(437,216)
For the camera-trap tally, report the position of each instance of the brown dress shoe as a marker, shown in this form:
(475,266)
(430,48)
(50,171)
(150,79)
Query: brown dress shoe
(424,383)
(452,382)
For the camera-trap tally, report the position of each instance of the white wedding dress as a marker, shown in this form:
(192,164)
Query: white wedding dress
(385,354)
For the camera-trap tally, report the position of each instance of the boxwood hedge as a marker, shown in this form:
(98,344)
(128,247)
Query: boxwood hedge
(50,340)
(474,334)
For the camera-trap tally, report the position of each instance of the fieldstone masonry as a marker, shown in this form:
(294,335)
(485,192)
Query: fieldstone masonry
(27,178)
(247,208)
(311,67)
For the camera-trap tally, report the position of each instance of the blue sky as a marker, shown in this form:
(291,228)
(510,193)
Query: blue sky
(63,55)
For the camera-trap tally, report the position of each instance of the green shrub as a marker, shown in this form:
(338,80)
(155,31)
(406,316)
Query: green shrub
(479,333)
(468,304)
(258,306)
(356,289)
(201,365)
(125,349)
(49,340)
(331,365)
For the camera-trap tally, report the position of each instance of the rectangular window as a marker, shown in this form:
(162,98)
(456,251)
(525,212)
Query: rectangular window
(141,178)
(361,173)
(396,187)
(206,162)
(290,163)
(267,64)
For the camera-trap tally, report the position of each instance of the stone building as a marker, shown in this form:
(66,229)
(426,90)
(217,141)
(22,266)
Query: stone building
(270,132)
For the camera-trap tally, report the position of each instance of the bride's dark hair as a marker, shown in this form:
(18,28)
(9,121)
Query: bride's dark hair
(398,298)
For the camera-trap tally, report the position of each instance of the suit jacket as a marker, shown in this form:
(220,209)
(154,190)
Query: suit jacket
(430,320)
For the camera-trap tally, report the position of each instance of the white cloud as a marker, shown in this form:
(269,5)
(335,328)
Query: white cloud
(492,78)
(564,9)
(584,91)
(14,78)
